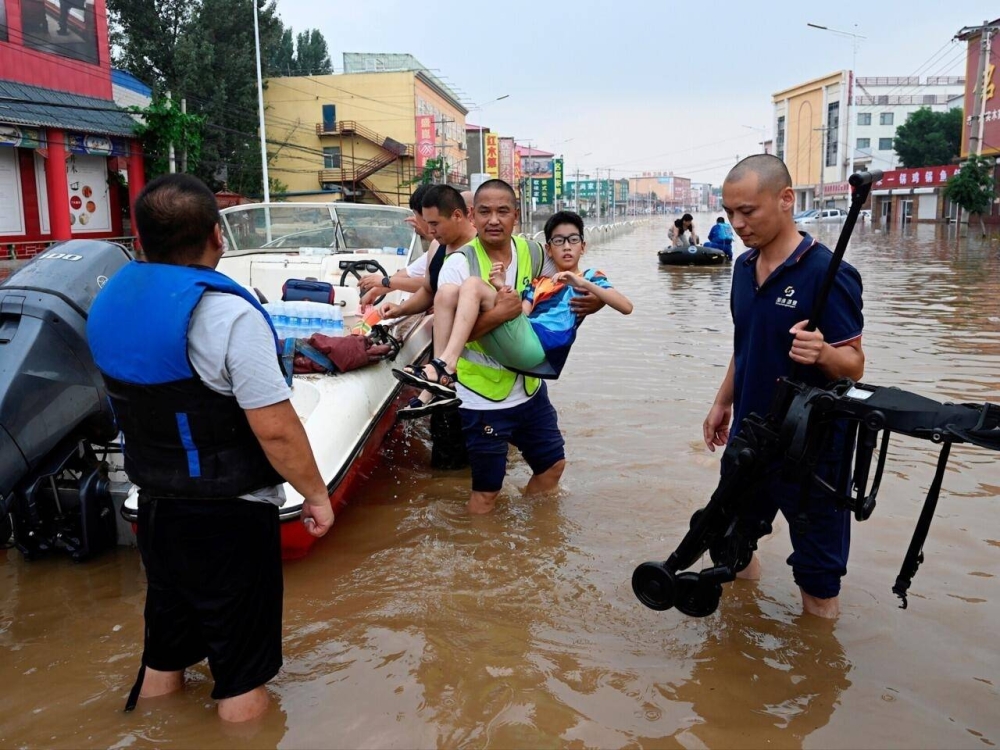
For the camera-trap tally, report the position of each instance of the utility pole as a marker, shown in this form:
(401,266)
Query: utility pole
(444,172)
(985,47)
(171,155)
(597,172)
(184,153)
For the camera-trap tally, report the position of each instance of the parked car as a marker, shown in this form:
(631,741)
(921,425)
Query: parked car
(803,214)
(823,216)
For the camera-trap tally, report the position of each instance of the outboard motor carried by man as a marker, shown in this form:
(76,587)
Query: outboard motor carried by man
(53,405)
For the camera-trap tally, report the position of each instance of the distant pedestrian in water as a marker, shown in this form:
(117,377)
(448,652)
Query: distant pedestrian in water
(682,233)
(720,237)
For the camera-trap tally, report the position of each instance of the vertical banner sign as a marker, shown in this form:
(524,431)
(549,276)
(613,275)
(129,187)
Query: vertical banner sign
(507,160)
(987,79)
(425,139)
(492,155)
(557,174)
(517,170)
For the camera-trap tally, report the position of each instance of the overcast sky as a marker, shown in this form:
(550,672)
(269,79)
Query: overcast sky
(643,85)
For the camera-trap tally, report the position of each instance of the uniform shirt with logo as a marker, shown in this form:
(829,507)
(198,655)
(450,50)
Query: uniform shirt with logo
(763,316)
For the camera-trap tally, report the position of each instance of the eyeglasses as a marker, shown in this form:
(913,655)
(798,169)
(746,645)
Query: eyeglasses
(559,240)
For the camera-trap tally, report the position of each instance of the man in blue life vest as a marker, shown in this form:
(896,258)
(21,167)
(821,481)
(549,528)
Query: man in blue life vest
(773,292)
(720,237)
(190,361)
(500,407)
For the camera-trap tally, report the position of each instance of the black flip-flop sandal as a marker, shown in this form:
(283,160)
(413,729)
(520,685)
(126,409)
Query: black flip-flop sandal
(443,386)
(416,408)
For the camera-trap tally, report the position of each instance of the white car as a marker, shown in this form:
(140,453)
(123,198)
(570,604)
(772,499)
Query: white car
(822,216)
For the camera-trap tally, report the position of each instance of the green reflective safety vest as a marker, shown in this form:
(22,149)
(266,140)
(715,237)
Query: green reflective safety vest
(477,371)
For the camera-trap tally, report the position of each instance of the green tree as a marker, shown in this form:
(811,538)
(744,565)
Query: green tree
(216,60)
(312,57)
(282,61)
(144,37)
(973,187)
(929,138)
(164,124)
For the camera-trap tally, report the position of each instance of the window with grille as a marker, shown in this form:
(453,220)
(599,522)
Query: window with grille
(331,157)
(832,130)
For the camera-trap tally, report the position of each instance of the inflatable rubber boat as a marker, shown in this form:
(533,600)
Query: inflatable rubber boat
(692,255)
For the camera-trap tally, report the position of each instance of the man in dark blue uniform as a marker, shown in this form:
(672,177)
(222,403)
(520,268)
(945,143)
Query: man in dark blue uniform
(190,361)
(774,287)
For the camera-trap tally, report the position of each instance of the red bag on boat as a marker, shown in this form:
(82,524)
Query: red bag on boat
(345,352)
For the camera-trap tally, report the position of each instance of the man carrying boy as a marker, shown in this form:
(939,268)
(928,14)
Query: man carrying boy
(500,407)
(774,289)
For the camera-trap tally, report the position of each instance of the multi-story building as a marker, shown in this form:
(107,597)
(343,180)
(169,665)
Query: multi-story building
(672,191)
(813,127)
(810,128)
(364,135)
(882,104)
(66,149)
(700,196)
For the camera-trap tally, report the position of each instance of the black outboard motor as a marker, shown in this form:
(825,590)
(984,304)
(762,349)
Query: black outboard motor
(53,405)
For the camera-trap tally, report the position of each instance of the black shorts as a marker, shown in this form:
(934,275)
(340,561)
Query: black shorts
(214,589)
(531,427)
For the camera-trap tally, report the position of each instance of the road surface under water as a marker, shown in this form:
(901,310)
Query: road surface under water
(414,625)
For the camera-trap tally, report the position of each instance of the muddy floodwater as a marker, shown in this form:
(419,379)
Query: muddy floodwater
(414,625)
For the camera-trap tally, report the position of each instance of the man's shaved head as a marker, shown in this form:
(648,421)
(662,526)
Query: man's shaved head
(772,174)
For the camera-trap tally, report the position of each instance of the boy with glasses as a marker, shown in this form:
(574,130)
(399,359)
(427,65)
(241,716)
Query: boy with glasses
(538,341)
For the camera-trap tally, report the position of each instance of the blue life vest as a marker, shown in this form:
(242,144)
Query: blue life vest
(181,438)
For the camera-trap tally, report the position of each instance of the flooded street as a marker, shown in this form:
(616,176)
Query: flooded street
(415,625)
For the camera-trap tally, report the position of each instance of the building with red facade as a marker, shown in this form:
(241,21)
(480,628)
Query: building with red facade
(69,160)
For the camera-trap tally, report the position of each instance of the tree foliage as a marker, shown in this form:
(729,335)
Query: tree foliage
(312,58)
(929,138)
(973,187)
(164,124)
(203,51)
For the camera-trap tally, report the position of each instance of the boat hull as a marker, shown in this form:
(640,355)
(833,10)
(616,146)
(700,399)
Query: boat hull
(694,255)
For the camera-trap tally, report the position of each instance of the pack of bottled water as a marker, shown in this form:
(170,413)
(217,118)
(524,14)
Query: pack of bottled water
(300,320)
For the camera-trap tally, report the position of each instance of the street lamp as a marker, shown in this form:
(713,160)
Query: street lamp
(855,42)
(480,108)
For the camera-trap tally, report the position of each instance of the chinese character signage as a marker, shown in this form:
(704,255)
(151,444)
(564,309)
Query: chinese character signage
(557,177)
(20,136)
(974,75)
(425,139)
(89,201)
(96,145)
(493,155)
(507,160)
(517,171)
(542,190)
(922,177)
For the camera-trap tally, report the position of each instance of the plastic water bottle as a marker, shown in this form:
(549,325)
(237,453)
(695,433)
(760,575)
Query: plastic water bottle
(333,321)
(279,317)
(314,317)
(294,320)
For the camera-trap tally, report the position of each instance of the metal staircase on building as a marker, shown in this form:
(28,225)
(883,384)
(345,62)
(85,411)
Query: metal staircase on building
(352,176)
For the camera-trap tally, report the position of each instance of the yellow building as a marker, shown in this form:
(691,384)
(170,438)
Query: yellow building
(354,136)
(811,135)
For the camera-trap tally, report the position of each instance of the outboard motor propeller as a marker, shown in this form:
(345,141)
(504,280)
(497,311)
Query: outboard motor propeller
(53,405)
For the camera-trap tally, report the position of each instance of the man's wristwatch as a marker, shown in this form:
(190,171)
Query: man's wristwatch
(385,282)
